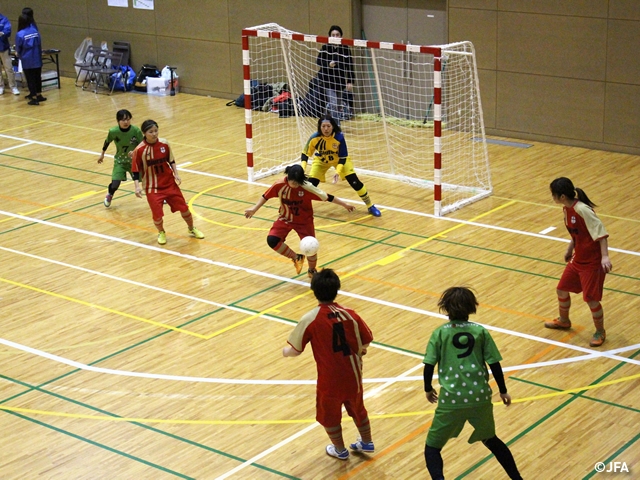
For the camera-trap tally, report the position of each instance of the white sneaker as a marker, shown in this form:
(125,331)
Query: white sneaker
(15,91)
(1,91)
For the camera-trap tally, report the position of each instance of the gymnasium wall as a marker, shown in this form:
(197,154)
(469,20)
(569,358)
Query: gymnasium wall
(200,37)
(562,71)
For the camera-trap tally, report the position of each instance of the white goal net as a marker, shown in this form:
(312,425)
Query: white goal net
(413,114)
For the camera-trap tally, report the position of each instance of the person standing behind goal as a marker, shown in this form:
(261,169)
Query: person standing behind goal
(328,148)
(339,339)
(462,349)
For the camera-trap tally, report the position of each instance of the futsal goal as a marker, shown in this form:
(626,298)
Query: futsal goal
(414,114)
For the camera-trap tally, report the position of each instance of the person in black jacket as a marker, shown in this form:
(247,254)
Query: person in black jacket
(336,72)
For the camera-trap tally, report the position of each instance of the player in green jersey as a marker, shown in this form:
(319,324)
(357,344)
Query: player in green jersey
(126,138)
(462,350)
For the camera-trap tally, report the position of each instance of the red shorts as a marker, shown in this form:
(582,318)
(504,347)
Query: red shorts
(329,409)
(281,229)
(589,282)
(174,199)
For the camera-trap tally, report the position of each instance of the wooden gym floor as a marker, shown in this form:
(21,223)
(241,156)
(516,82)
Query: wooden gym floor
(120,358)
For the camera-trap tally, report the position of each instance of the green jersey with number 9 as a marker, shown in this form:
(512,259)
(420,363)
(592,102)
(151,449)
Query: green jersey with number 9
(462,350)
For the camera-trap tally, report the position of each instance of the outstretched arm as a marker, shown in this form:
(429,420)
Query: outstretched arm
(348,207)
(250,212)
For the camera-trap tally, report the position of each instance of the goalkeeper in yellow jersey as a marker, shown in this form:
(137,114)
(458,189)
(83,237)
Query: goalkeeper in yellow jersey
(328,148)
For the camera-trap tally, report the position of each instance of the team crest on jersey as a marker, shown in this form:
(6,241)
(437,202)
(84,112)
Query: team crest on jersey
(573,219)
(301,193)
(335,146)
(162,150)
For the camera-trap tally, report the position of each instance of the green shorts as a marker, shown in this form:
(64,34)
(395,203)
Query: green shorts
(319,168)
(448,423)
(120,171)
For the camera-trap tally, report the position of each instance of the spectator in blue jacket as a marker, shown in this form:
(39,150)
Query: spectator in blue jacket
(29,50)
(5,58)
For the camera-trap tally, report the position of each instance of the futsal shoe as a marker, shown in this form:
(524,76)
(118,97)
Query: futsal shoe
(333,452)
(40,98)
(363,447)
(558,324)
(107,200)
(162,238)
(311,272)
(598,338)
(298,262)
(194,232)
(373,210)
(15,91)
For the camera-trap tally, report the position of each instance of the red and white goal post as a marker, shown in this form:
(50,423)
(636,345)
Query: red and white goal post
(415,115)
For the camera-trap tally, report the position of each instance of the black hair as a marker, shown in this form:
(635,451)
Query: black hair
(296,173)
(335,27)
(458,303)
(123,115)
(334,124)
(147,124)
(325,285)
(24,21)
(563,186)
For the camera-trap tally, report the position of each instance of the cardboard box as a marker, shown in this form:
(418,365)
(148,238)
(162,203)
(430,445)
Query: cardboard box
(160,86)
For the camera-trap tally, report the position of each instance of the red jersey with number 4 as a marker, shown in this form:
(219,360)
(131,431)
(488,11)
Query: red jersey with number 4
(153,160)
(337,336)
(586,230)
(295,203)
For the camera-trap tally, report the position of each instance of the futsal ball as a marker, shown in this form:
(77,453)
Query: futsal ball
(309,246)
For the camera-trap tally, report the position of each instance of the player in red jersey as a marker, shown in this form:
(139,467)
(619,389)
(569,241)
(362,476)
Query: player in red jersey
(296,213)
(587,257)
(153,162)
(339,339)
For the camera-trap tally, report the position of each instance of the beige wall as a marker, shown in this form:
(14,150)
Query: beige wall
(200,37)
(564,71)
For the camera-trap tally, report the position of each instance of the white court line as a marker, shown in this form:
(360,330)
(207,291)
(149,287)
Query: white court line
(378,301)
(62,147)
(547,230)
(385,207)
(16,146)
(591,353)
(296,435)
(422,214)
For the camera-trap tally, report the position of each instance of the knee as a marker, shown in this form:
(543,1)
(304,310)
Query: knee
(354,181)
(273,241)
(562,294)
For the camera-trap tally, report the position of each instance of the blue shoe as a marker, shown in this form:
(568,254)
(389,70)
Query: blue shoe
(333,452)
(362,447)
(374,211)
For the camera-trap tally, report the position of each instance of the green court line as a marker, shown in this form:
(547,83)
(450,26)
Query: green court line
(548,416)
(615,455)
(147,427)
(451,257)
(548,387)
(100,445)
(366,225)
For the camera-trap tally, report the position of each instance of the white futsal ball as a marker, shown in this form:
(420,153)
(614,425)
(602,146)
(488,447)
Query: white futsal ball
(309,246)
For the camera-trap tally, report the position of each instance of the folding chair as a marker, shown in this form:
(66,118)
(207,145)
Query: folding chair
(106,64)
(88,61)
